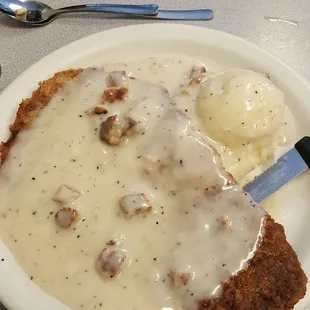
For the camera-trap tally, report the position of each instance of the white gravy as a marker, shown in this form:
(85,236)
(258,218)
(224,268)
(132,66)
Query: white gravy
(199,225)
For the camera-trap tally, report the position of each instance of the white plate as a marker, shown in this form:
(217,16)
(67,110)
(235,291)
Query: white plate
(17,292)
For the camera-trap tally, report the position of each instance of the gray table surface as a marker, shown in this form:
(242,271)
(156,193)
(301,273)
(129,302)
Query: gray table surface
(281,27)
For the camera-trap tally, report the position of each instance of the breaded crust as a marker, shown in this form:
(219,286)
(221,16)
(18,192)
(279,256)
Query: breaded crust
(30,108)
(273,279)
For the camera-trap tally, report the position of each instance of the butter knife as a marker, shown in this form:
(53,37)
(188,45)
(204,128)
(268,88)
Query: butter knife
(288,167)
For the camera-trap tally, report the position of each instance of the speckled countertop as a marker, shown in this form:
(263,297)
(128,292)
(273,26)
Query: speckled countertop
(281,27)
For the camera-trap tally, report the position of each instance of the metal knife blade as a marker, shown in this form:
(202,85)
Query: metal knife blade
(203,14)
(287,168)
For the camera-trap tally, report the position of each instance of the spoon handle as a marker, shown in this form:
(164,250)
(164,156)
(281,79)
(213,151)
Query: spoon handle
(203,14)
(148,9)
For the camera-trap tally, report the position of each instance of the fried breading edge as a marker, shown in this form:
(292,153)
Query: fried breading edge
(30,108)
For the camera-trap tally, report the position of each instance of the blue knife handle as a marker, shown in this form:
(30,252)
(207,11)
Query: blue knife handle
(303,148)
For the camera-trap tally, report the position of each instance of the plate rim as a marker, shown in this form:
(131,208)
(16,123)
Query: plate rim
(151,26)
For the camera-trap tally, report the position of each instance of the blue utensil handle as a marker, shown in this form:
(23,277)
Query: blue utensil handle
(303,148)
(144,9)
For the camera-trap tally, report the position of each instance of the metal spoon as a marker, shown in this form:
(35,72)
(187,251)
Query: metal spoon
(38,13)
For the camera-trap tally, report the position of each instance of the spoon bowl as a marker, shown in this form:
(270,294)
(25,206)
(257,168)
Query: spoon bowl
(28,12)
